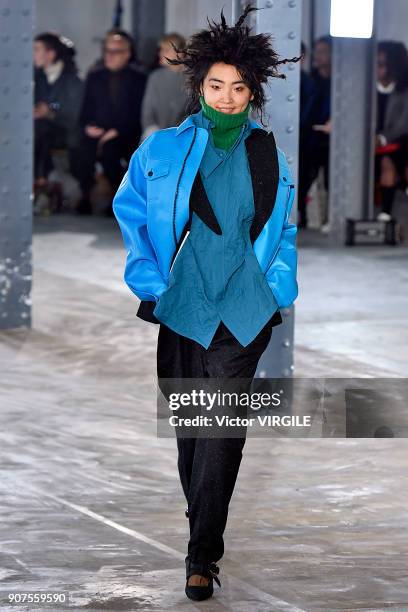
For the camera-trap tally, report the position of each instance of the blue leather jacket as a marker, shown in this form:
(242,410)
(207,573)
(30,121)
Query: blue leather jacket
(152,207)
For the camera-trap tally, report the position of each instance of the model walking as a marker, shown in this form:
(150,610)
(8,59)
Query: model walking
(204,212)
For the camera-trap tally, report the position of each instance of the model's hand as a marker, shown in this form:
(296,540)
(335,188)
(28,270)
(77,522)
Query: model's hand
(93,131)
(108,135)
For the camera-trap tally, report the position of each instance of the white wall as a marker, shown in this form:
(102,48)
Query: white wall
(392,20)
(322,17)
(83,21)
(187,16)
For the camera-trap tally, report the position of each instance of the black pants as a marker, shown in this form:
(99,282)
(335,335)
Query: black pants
(311,159)
(110,157)
(400,160)
(47,136)
(208,467)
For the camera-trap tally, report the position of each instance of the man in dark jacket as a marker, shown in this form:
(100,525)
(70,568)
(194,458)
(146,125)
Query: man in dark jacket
(110,116)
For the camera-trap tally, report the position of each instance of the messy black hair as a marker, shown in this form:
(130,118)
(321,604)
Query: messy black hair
(396,57)
(252,55)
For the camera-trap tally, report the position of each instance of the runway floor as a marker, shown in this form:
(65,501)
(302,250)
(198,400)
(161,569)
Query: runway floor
(90,498)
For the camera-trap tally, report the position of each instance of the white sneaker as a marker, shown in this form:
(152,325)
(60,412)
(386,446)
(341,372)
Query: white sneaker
(325,229)
(383,216)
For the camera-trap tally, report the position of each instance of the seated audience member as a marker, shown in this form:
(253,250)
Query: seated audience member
(392,123)
(110,116)
(57,102)
(164,103)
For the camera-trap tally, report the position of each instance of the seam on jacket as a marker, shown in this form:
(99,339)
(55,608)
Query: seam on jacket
(178,185)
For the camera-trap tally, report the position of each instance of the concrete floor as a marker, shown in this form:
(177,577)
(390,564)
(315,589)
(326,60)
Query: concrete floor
(90,499)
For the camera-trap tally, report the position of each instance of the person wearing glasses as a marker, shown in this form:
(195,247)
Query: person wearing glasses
(110,115)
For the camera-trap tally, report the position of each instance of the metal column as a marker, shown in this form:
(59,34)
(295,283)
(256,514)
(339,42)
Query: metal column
(282,19)
(148,20)
(16,27)
(353,104)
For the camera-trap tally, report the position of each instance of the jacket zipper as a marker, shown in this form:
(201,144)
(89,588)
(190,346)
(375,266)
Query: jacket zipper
(177,187)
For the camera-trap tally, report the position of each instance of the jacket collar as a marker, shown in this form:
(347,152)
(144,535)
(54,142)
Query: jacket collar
(189,122)
(213,158)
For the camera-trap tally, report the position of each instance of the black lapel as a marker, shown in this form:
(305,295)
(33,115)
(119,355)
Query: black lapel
(200,204)
(264,168)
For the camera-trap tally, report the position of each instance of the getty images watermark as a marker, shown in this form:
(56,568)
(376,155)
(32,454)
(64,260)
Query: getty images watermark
(286,407)
(211,401)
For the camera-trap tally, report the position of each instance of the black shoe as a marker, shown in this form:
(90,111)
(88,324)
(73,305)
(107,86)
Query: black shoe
(208,570)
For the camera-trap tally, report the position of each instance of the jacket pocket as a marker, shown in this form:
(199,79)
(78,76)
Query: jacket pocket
(157,175)
(157,168)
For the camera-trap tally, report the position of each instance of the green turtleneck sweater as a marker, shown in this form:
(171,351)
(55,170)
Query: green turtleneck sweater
(227,127)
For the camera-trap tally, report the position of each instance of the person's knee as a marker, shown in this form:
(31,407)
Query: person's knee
(111,151)
(41,128)
(389,175)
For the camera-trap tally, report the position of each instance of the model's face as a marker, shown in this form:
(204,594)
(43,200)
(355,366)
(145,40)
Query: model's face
(42,56)
(224,89)
(116,53)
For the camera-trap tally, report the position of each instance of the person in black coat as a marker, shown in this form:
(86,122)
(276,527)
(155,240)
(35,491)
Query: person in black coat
(315,127)
(57,100)
(392,123)
(110,115)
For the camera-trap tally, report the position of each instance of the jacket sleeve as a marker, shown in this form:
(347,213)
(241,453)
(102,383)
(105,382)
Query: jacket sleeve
(396,117)
(70,103)
(281,274)
(142,273)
